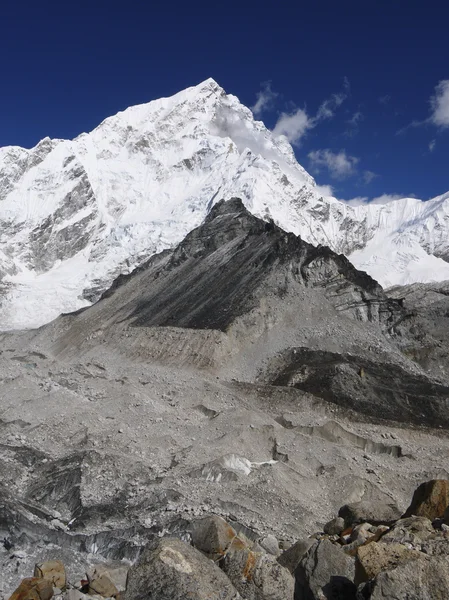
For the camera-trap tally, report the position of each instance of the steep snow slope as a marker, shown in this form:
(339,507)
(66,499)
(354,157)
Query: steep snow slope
(74,214)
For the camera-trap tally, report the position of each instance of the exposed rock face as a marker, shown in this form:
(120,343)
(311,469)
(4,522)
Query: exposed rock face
(430,500)
(172,570)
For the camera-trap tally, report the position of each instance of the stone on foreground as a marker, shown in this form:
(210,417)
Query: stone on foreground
(256,575)
(290,558)
(431,499)
(376,557)
(325,572)
(33,588)
(170,569)
(334,526)
(107,580)
(376,513)
(212,536)
(411,530)
(53,571)
(424,579)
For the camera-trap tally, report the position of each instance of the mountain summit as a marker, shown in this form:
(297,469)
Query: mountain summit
(74,214)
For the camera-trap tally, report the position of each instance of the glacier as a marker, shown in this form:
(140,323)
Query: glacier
(74,214)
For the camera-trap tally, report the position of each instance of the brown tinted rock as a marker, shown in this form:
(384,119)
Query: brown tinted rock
(105,578)
(291,557)
(376,557)
(53,571)
(364,511)
(325,572)
(257,576)
(424,579)
(170,569)
(33,588)
(431,499)
(212,536)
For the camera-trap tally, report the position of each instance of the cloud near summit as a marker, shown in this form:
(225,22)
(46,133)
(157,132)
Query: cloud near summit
(295,124)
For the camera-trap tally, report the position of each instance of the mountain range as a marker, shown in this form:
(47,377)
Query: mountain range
(75,214)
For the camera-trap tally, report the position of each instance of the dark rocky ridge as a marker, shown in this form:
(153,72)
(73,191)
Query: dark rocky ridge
(244,296)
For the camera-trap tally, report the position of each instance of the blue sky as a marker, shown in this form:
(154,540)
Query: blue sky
(360,87)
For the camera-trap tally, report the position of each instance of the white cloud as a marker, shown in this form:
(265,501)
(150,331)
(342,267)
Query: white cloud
(294,125)
(265,99)
(358,201)
(325,190)
(432,145)
(368,176)
(383,199)
(339,164)
(440,105)
(356,118)
(386,198)
(439,116)
(385,99)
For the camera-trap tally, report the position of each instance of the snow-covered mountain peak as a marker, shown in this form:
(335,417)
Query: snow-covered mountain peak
(76,213)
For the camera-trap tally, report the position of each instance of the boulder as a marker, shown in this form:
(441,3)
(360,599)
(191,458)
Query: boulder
(335,526)
(376,557)
(291,557)
(170,569)
(412,530)
(33,588)
(107,577)
(325,571)
(270,544)
(424,579)
(376,513)
(430,500)
(212,536)
(53,571)
(257,576)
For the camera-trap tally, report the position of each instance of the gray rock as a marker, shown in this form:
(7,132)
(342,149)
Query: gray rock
(421,579)
(325,572)
(170,569)
(374,512)
(271,545)
(335,526)
(412,530)
(291,557)
(257,576)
